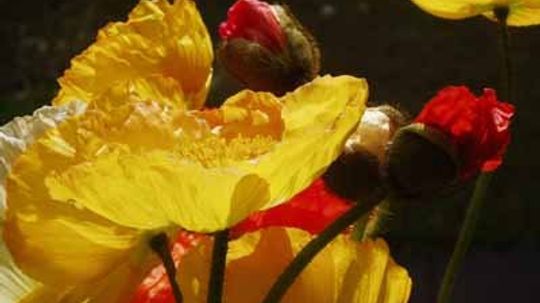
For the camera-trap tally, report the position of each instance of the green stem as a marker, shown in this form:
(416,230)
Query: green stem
(304,257)
(465,237)
(506,78)
(217,272)
(359,227)
(160,245)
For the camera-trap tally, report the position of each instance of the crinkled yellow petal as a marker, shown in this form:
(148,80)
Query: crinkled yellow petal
(163,44)
(346,271)
(58,242)
(142,166)
(89,193)
(15,137)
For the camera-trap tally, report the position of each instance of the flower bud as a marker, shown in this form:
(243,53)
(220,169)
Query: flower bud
(357,172)
(266,48)
(421,160)
(455,136)
(254,21)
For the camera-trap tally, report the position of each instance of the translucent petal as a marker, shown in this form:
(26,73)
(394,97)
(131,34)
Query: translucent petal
(350,271)
(15,137)
(86,196)
(318,118)
(14,285)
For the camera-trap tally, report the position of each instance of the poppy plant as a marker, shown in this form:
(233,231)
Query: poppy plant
(84,200)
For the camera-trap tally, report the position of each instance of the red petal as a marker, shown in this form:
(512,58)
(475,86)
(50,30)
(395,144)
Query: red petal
(311,210)
(254,21)
(479,127)
(156,288)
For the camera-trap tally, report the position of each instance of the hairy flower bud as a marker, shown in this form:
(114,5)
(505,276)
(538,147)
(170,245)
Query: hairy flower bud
(357,172)
(420,161)
(266,48)
(254,21)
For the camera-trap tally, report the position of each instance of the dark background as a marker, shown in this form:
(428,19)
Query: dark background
(407,55)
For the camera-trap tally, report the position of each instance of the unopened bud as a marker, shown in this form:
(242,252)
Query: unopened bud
(265,47)
(357,172)
(421,161)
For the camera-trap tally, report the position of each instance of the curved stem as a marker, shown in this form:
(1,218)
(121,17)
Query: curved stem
(465,237)
(217,272)
(304,257)
(160,245)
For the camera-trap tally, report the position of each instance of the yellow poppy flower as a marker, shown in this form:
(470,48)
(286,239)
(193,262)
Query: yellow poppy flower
(521,12)
(85,198)
(162,49)
(346,271)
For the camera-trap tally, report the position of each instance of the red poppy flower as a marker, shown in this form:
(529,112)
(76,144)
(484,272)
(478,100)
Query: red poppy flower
(255,21)
(478,127)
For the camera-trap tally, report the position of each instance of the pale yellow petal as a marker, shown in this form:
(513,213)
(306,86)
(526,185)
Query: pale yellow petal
(455,9)
(397,284)
(117,287)
(77,257)
(87,195)
(14,284)
(55,241)
(318,118)
(55,248)
(144,166)
(159,42)
(15,137)
(156,189)
(522,13)
(18,134)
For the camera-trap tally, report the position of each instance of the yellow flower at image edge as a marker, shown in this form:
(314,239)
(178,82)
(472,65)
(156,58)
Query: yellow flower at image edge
(84,199)
(521,12)
(162,50)
(345,271)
